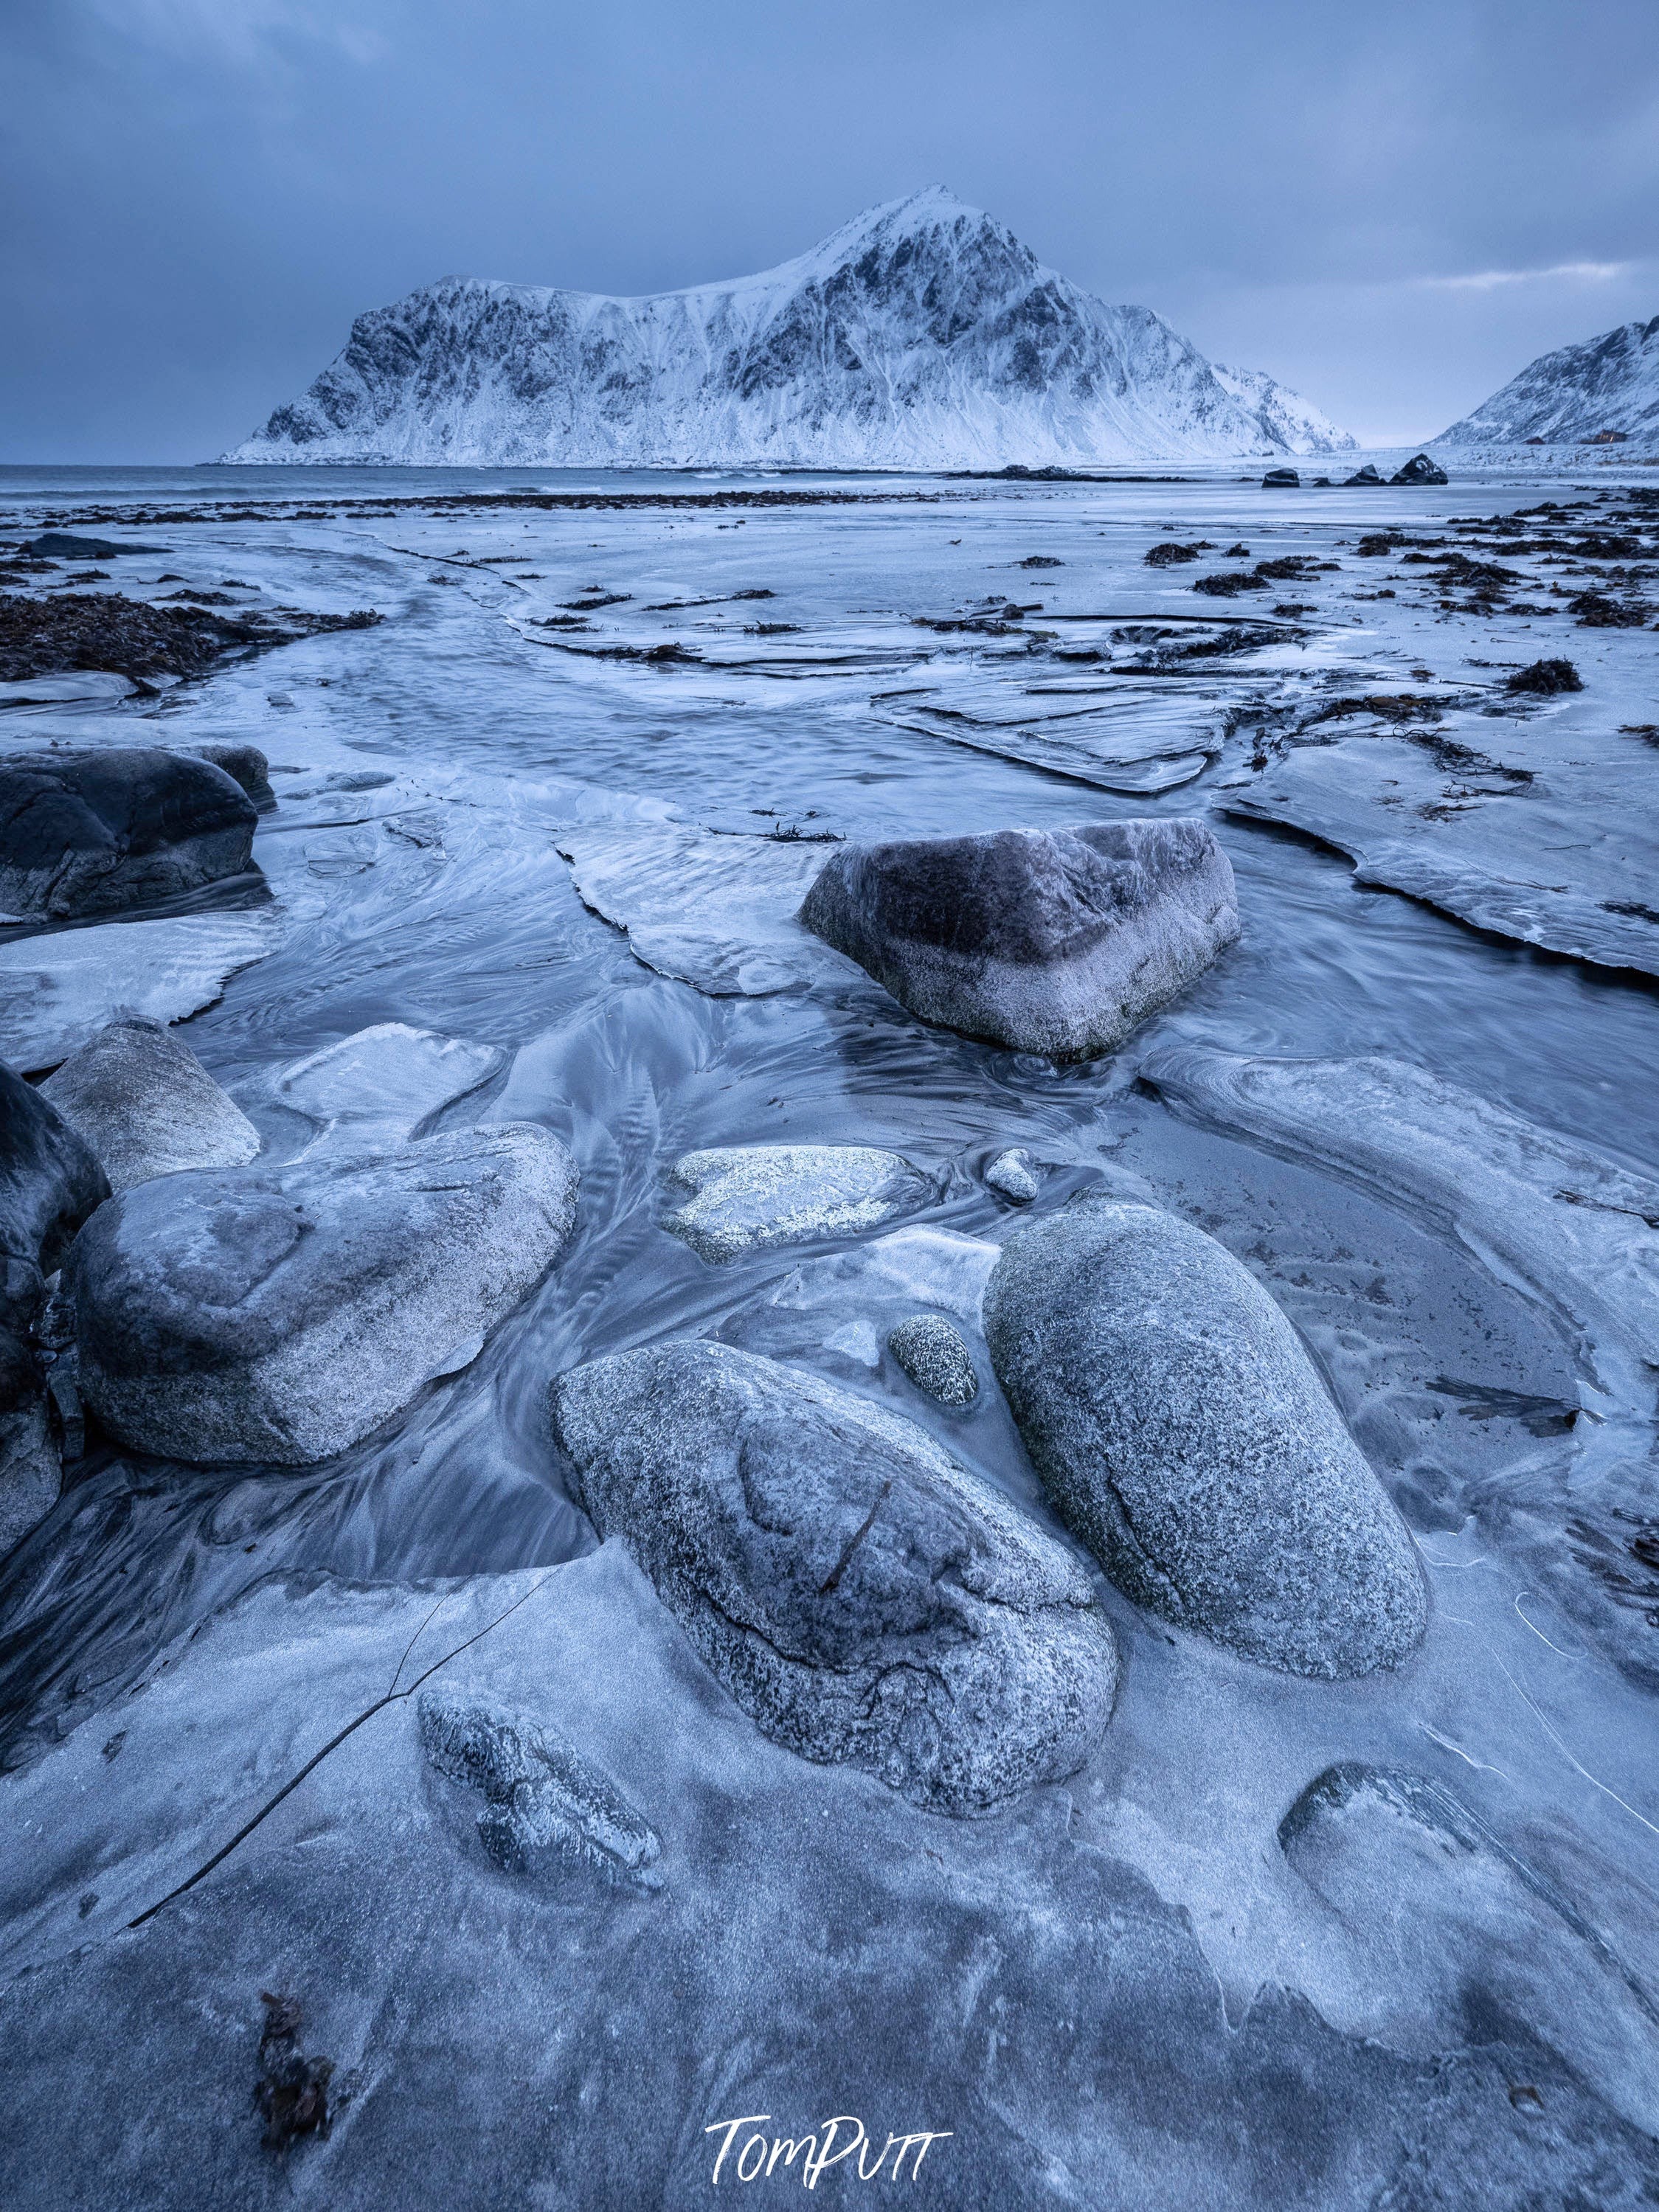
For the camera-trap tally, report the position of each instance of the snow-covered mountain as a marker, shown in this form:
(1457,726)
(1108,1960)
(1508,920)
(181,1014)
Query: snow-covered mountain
(921,335)
(1288,423)
(1574,394)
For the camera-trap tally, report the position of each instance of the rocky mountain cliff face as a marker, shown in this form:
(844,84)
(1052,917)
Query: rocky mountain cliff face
(921,335)
(1576,395)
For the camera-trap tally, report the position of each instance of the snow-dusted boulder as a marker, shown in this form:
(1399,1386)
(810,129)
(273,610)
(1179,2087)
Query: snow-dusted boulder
(863,1598)
(148,1106)
(93,832)
(1055,941)
(1183,1432)
(237,1315)
(748,1198)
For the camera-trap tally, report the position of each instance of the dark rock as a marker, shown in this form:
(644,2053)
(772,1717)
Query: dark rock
(1420,471)
(233,1315)
(1182,1431)
(1047,941)
(248,765)
(1544,679)
(85,833)
(147,1106)
(1370,474)
(50,1183)
(1042,561)
(934,1356)
(863,1598)
(1281,480)
(545,1807)
(1170,553)
(59,545)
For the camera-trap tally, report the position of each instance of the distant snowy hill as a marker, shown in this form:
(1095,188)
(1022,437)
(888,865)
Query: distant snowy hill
(1565,398)
(923,335)
(1288,423)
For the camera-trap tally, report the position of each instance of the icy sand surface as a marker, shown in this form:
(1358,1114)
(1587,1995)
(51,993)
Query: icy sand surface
(1278,1943)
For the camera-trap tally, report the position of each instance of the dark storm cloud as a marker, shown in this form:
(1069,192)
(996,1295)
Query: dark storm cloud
(1391,208)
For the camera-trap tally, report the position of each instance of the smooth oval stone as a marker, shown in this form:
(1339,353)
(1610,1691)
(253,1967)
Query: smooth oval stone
(148,1106)
(935,1359)
(1183,1432)
(94,831)
(862,1597)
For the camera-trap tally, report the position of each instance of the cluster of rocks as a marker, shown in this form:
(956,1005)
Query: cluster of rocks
(216,1307)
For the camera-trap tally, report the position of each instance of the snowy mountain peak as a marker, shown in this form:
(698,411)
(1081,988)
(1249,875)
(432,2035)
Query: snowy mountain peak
(921,335)
(1607,388)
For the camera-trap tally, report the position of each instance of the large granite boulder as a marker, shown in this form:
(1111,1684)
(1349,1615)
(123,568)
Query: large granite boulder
(147,1106)
(95,831)
(50,1183)
(862,1597)
(239,1315)
(1182,1430)
(1055,941)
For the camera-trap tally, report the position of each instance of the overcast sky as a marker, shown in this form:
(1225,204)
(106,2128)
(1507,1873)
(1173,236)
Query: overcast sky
(1391,207)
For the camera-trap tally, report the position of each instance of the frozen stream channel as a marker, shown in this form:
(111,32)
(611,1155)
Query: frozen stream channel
(1279,1943)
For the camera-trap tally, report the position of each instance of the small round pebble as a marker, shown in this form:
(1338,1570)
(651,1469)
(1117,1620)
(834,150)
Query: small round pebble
(1013,1174)
(935,1359)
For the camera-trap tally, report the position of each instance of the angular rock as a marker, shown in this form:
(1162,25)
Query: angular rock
(248,765)
(935,1359)
(59,989)
(544,1804)
(1420,471)
(1281,480)
(1047,941)
(93,832)
(147,1106)
(1012,1174)
(863,1598)
(233,1315)
(1367,475)
(748,1197)
(1183,1432)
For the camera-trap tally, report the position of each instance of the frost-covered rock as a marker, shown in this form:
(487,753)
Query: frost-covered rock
(1050,941)
(1013,1174)
(747,1198)
(1183,1432)
(863,1598)
(58,991)
(934,1356)
(241,1315)
(920,335)
(93,832)
(148,1106)
(545,1805)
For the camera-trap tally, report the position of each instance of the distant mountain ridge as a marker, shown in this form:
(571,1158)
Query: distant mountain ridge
(1574,395)
(923,335)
